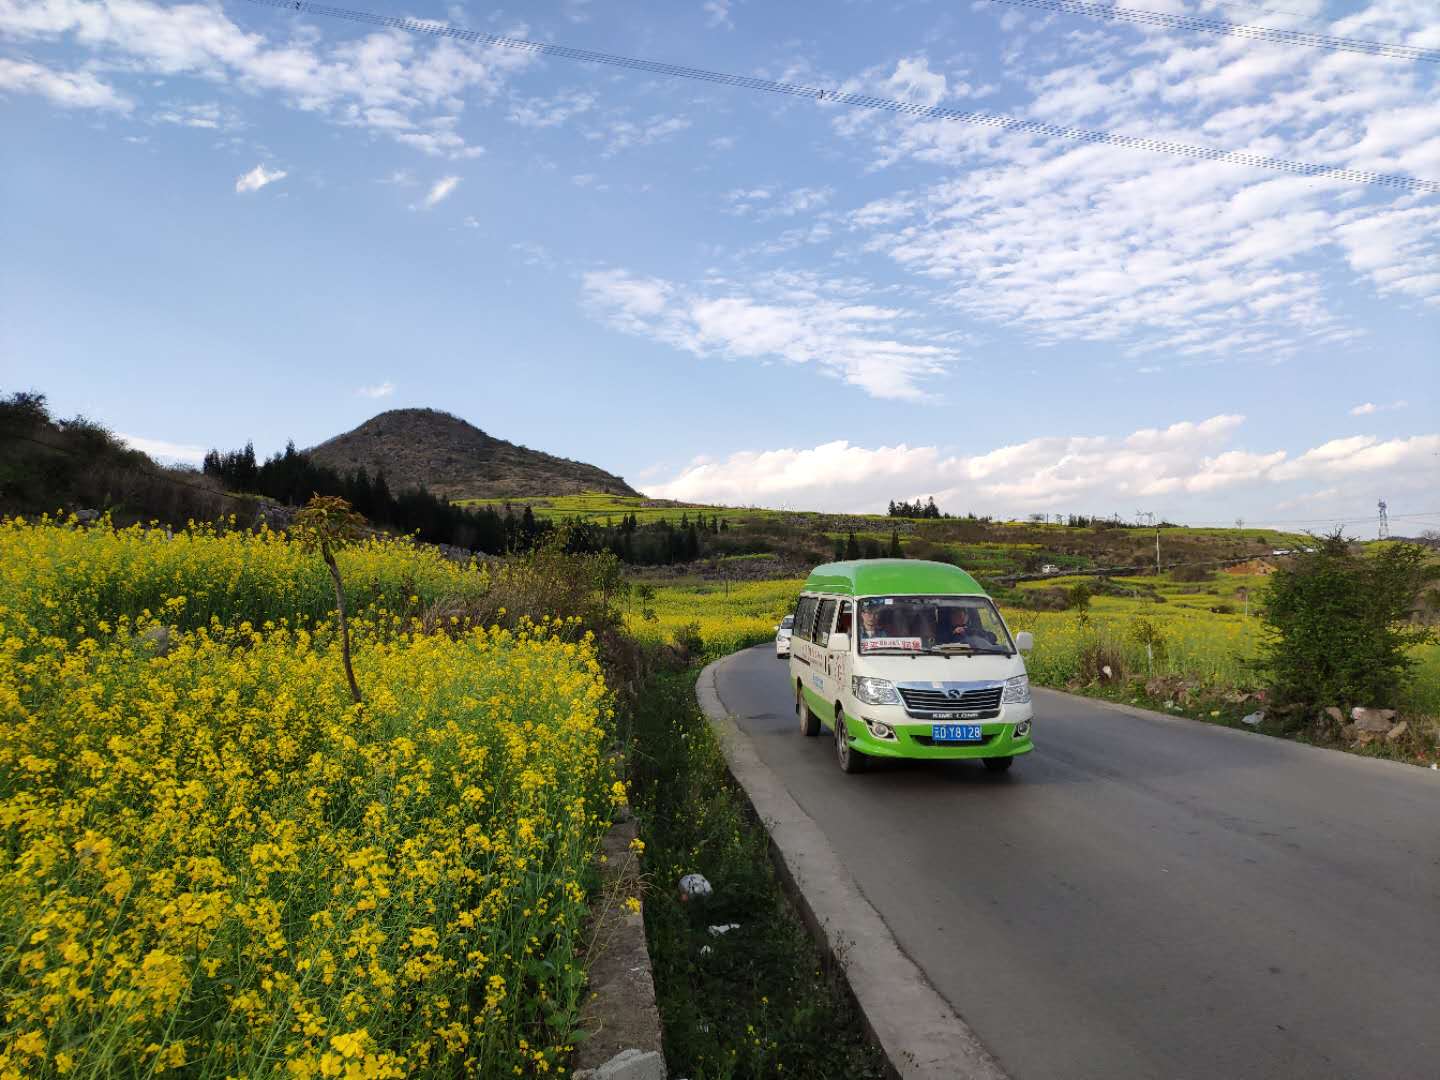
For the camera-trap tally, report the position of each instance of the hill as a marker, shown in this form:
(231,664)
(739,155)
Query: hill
(450,457)
(50,465)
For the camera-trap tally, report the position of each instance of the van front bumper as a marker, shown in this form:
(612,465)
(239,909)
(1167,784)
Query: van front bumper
(912,738)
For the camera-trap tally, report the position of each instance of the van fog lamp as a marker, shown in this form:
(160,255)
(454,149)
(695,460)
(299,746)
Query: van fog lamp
(1022,729)
(879,730)
(874,691)
(1017,690)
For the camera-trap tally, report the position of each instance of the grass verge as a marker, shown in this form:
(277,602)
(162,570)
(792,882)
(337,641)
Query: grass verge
(756,1001)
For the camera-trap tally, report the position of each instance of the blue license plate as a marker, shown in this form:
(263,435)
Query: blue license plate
(956,732)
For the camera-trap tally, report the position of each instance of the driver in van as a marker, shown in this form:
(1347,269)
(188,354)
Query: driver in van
(963,628)
(871,625)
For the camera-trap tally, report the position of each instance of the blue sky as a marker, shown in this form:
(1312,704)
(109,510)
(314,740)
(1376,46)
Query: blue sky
(228,222)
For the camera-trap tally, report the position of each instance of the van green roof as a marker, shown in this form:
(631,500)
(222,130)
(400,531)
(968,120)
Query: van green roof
(892,577)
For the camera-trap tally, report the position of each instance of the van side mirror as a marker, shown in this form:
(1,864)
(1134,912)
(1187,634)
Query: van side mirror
(1024,641)
(839,643)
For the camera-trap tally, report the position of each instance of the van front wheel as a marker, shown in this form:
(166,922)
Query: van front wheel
(850,759)
(809,722)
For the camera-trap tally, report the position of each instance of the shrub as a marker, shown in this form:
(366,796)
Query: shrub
(688,639)
(1146,634)
(1078,597)
(1096,654)
(1339,624)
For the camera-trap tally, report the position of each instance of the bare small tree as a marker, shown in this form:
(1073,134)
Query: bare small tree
(327,524)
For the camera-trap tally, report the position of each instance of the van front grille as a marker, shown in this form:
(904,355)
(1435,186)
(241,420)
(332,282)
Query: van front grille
(919,701)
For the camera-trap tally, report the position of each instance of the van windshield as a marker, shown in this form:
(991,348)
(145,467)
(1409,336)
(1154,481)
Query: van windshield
(932,624)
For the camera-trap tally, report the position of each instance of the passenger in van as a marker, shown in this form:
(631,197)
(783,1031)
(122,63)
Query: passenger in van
(842,621)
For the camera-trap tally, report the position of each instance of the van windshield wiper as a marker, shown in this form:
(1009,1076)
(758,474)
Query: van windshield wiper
(959,648)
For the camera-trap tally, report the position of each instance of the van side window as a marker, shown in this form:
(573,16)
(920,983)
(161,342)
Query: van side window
(823,618)
(844,619)
(805,616)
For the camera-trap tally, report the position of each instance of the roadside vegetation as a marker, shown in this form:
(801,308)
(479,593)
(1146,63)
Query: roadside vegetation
(754,999)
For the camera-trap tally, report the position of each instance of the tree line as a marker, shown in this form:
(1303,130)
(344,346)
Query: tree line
(292,478)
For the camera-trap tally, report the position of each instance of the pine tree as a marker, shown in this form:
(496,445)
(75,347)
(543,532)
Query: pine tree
(895,544)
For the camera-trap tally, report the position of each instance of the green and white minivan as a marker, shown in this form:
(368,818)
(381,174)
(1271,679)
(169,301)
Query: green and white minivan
(908,659)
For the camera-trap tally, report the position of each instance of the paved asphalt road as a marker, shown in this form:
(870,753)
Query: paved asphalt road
(1143,896)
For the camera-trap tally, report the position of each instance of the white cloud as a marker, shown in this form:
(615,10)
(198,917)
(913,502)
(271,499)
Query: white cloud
(798,319)
(1172,471)
(1370,408)
(1364,454)
(717,13)
(1195,259)
(67,89)
(440,191)
(257,178)
(913,81)
(379,390)
(534,254)
(766,203)
(552,111)
(397,84)
(620,134)
(161,450)
(204,115)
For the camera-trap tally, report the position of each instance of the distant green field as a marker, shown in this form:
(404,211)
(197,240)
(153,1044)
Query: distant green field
(600,507)
(1213,647)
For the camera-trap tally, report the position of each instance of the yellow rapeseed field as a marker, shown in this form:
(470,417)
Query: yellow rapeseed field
(214,864)
(68,578)
(729,618)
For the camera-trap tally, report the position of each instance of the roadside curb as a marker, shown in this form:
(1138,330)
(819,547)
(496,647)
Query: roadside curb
(919,1032)
(624,1041)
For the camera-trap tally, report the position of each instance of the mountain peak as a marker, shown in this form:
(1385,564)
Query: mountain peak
(454,458)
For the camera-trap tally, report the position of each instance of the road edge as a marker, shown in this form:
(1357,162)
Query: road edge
(920,1033)
(1142,713)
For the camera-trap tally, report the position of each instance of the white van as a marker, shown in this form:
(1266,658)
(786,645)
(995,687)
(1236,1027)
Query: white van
(908,659)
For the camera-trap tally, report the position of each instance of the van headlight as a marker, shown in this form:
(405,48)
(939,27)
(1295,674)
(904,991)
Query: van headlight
(1017,690)
(874,691)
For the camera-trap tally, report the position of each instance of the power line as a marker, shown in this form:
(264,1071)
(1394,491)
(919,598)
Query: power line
(865,101)
(1242,30)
